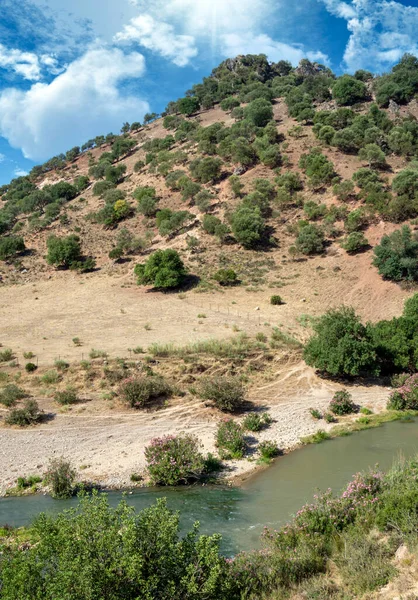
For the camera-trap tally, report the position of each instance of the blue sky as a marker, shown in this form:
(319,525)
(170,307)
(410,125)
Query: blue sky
(71,71)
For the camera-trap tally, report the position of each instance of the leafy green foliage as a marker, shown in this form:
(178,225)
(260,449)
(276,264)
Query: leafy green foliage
(317,167)
(355,242)
(247,225)
(60,477)
(226,277)
(164,269)
(348,90)
(10,394)
(63,252)
(188,106)
(230,440)
(169,221)
(29,414)
(10,246)
(206,170)
(310,239)
(396,257)
(341,345)
(259,112)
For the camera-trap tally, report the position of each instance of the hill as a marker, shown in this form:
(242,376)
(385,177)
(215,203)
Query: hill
(288,177)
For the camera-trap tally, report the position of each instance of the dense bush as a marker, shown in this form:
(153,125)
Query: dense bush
(317,167)
(276,300)
(169,222)
(342,403)
(230,440)
(28,415)
(396,256)
(60,477)
(164,269)
(247,225)
(206,170)
(10,394)
(347,90)
(63,252)
(140,392)
(355,242)
(256,422)
(119,555)
(310,239)
(373,155)
(259,112)
(10,246)
(214,226)
(174,460)
(227,393)
(268,450)
(226,277)
(68,396)
(341,345)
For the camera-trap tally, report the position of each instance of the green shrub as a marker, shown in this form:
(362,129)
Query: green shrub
(247,226)
(341,345)
(317,167)
(63,252)
(28,415)
(310,240)
(164,269)
(396,257)
(60,477)
(140,392)
(355,242)
(206,170)
(10,246)
(256,422)
(6,355)
(230,440)
(373,155)
(226,277)
(315,413)
(10,394)
(174,460)
(344,190)
(66,397)
(30,367)
(227,393)
(23,483)
(342,403)
(214,226)
(268,450)
(276,300)
(259,112)
(50,377)
(329,418)
(101,187)
(347,91)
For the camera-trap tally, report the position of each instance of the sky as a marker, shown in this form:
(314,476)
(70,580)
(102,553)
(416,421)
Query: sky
(72,70)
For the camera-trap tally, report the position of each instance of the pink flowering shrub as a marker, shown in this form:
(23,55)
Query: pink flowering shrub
(342,404)
(139,392)
(174,460)
(406,396)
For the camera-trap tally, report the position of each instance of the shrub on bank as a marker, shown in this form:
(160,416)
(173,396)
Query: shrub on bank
(406,396)
(174,460)
(342,404)
(140,392)
(230,440)
(60,476)
(227,393)
(30,414)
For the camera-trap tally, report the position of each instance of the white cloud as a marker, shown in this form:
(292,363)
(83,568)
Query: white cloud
(211,17)
(159,37)
(2,158)
(27,64)
(78,104)
(234,44)
(20,172)
(381,31)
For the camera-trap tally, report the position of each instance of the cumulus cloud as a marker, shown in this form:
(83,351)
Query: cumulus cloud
(159,37)
(80,103)
(233,44)
(381,31)
(20,172)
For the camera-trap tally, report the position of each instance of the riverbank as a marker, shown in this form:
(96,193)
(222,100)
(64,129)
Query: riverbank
(107,449)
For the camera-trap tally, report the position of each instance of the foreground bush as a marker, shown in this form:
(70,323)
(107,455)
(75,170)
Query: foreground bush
(140,392)
(60,477)
(174,460)
(95,551)
(227,393)
(230,440)
(396,257)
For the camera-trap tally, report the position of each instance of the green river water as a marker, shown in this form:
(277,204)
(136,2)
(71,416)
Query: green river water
(269,498)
